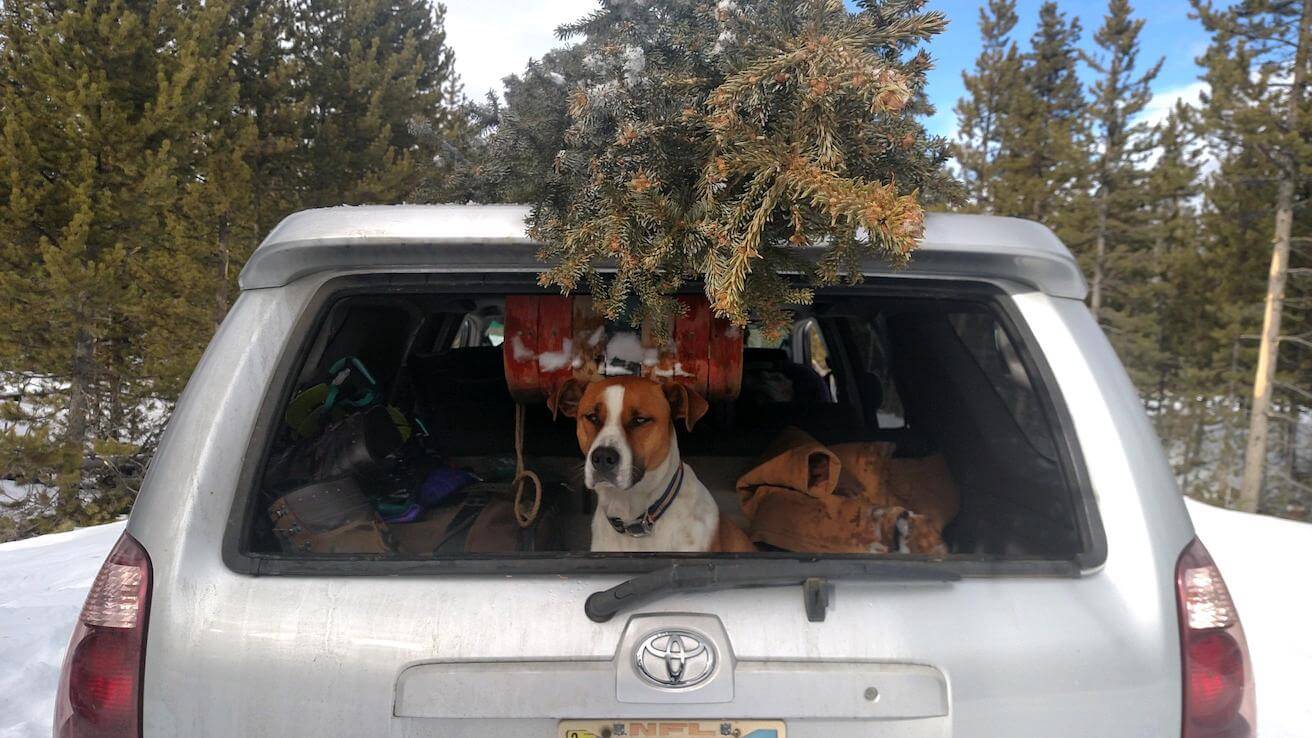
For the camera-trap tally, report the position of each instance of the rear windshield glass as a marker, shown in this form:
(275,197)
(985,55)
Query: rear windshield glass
(426,425)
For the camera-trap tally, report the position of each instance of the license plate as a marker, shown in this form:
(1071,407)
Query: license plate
(671,729)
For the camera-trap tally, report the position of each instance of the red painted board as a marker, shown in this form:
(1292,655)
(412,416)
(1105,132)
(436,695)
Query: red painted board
(556,347)
(519,350)
(692,334)
(726,357)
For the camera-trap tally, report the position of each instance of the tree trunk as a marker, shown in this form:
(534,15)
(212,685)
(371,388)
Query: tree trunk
(1194,449)
(221,298)
(79,412)
(1263,383)
(986,160)
(1295,427)
(114,384)
(1172,215)
(1099,256)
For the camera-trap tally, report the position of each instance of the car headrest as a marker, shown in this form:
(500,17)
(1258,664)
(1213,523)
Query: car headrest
(760,358)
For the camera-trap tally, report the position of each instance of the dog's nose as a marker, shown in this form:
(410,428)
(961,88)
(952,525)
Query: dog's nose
(605,458)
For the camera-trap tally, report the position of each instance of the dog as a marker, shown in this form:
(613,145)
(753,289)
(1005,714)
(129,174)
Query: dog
(648,500)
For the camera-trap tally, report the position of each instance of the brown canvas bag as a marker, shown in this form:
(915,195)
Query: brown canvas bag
(332,517)
(852,498)
(483,522)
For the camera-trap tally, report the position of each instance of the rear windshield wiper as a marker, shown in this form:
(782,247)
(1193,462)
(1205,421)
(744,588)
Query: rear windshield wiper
(811,575)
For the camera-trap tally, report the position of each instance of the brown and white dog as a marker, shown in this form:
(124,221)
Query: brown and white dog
(647,498)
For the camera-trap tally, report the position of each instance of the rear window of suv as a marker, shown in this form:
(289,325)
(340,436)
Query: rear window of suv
(399,427)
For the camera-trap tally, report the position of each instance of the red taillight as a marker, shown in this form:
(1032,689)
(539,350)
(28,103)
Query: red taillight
(100,686)
(1218,676)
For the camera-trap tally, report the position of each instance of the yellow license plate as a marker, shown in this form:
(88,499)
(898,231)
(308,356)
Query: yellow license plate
(671,729)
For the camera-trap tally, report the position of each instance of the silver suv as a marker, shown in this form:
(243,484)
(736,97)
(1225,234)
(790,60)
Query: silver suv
(1074,599)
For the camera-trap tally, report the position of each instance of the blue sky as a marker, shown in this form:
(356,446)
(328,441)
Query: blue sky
(493,38)
(1169,34)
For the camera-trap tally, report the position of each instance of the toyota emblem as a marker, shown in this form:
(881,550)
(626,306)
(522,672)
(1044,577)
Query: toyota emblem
(675,658)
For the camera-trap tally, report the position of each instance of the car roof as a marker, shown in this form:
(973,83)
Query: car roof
(492,238)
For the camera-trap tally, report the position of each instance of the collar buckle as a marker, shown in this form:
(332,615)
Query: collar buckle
(640,528)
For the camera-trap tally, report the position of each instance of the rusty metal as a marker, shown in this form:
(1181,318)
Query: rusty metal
(551,338)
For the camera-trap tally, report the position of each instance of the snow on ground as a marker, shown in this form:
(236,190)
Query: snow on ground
(1265,562)
(43,581)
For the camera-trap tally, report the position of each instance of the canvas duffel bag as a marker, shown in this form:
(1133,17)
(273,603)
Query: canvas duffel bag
(332,517)
(483,521)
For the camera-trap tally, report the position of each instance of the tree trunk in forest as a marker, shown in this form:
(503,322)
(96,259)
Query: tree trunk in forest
(79,411)
(1194,448)
(221,297)
(1263,383)
(114,385)
(1099,256)
(1159,276)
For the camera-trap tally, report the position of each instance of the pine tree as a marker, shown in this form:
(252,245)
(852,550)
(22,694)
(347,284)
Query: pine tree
(1234,250)
(991,91)
(85,154)
(1257,69)
(711,139)
(505,152)
(376,72)
(1173,368)
(187,281)
(1044,154)
(1177,294)
(1118,97)
(145,147)
(274,97)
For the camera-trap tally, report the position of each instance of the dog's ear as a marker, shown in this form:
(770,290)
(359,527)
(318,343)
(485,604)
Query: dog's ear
(685,403)
(565,399)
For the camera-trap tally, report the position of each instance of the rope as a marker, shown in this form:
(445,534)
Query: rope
(524,517)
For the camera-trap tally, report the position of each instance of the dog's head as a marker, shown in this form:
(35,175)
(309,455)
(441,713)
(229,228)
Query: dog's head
(625,425)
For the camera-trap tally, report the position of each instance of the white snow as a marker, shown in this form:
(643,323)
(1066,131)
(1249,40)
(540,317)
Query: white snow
(521,352)
(1265,561)
(725,38)
(635,63)
(550,361)
(11,491)
(624,350)
(43,581)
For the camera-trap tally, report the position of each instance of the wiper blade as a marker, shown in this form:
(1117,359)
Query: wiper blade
(812,575)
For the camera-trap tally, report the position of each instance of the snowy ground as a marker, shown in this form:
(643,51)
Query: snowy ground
(42,583)
(1265,561)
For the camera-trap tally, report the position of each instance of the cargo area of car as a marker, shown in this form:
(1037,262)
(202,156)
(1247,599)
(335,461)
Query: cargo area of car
(936,382)
(372,351)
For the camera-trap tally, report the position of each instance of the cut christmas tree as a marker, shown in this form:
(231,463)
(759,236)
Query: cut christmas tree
(708,141)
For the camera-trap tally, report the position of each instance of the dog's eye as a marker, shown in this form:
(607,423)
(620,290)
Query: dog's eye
(593,418)
(639,420)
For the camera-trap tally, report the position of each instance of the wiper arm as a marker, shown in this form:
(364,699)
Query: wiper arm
(812,575)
